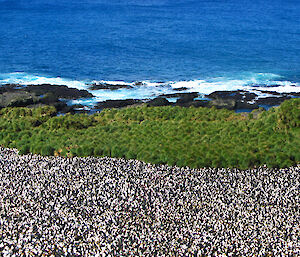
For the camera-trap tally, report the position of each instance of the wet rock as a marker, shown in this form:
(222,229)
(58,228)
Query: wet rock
(79,108)
(246,105)
(32,96)
(139,83)
(52,100)
(117,103)
(275,85)
(58,91)
(269,92)
(199,103)
(8,88)
(192,94)
(195,103)
(234,95)
(233,100)
(49,98)
(186,98)
(180,89)
(61,107)
(295,94)
(108,86)
(272,100)
(159,101)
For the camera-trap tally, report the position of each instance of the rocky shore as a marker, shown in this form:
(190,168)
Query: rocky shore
(114,207)
(13,95)
(231,100)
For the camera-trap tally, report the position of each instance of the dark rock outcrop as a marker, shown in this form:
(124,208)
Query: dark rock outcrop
(58,91)
(191,95)
(159,101)
(49,98)
(245,105)
(258,85)
(271,101)
(186,98)
(180,89)
(195,103)
(63,92)
(229,104)
(8,88)
(241,99)
(139,83)
(108,86)
(32,96)
(15,95)
(269,92)
(233,100)
(233,95)
(117,103)
(17,99)
(295,94)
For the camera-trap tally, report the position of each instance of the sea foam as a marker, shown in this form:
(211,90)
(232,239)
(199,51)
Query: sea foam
(23,78)
(252,82)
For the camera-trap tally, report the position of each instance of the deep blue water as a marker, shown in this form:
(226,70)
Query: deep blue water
(157,40)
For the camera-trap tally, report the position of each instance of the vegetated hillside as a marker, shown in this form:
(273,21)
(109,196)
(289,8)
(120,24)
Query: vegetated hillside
(194,137)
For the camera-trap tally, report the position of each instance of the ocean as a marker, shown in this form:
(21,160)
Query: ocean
(204,46)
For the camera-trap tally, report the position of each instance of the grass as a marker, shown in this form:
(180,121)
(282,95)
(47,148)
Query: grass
(194,137)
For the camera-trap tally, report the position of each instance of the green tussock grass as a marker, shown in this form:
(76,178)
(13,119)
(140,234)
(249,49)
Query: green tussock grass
(194,137)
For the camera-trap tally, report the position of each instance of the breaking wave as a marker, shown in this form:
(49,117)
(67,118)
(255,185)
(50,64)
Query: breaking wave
(253,82)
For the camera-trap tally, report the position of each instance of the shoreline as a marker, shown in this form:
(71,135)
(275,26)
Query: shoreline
(72,100)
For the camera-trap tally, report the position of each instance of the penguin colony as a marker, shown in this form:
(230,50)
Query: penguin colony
(53,206)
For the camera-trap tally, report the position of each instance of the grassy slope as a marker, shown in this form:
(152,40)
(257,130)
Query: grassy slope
(177,136)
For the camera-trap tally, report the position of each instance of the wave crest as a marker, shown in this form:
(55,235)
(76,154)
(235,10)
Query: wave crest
(253,82)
